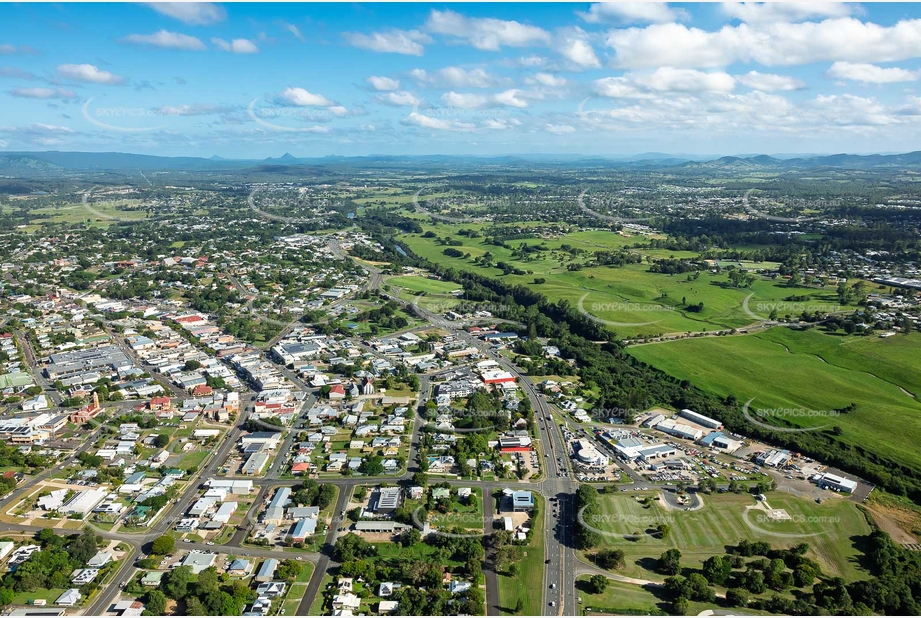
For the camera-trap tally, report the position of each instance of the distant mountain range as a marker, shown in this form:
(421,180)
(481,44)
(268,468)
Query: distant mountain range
(32,164)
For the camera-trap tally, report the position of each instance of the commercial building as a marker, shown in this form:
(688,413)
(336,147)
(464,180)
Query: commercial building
(586,453)
(680,430)
(700,419)
(836,483)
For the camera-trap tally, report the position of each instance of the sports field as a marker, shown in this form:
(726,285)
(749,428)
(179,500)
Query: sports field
(831,529)
(632,300)
(812,375)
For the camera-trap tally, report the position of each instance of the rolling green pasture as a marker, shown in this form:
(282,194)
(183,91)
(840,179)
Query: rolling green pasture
(607,293)
(812,371)
(832,530)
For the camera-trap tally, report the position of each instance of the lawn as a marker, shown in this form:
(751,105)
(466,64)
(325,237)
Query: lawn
(531,571)
(297,589)
(832,530)
(816,373)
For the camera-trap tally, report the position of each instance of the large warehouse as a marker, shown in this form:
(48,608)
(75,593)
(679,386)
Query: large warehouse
(700,419)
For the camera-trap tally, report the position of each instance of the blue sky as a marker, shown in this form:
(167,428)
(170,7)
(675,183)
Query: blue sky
(247,80)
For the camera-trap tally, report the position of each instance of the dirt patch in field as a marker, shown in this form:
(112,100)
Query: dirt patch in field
(895,521)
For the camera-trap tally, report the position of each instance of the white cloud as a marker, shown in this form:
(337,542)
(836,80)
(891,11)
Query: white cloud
(197,109)
(467,100)
(560,129)
(755,12)
(89,74)
(407,42)
(383,83)
(439,124)
(44,93)
(236,46)
(840,39)
(16,73)
(619,88)
(769,82)
(455,77)
(302,98)
(668,79)
(6,48)
(870,73)
(511,98)
(464,100)
(632,12)
(192,13)
(547,79)
(501,124)
(166,40)
(572,44)
(399,99)
(486,33)
(294,30)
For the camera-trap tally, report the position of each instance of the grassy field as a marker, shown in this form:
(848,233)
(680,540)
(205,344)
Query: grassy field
(832,530)
(531,571)
(634,300)
(423,284)
(815,374)
(105,213)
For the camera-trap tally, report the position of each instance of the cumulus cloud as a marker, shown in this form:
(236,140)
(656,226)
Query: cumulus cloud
(464,100)
(840,39)
(455,77)
(407,42)
(870,73)
(755,12)
(769,82)
(44,93)
(302,98)
(89,74)
(668,79)
(166,40)
(438,124)
(547,79)
(399,99)
(192,13)
(236,46)
(486,33)
(573,45)
(632,12)
(383,83)
(511,98)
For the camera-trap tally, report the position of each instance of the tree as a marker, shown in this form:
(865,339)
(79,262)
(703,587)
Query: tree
(289,570)
(162,545)
(670,562)
(680,606)
(156,603)
(598,583)
(737,597)
(192,365)
(161,441)
(610,559)
(175,583)
(663,530)
(716,570)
